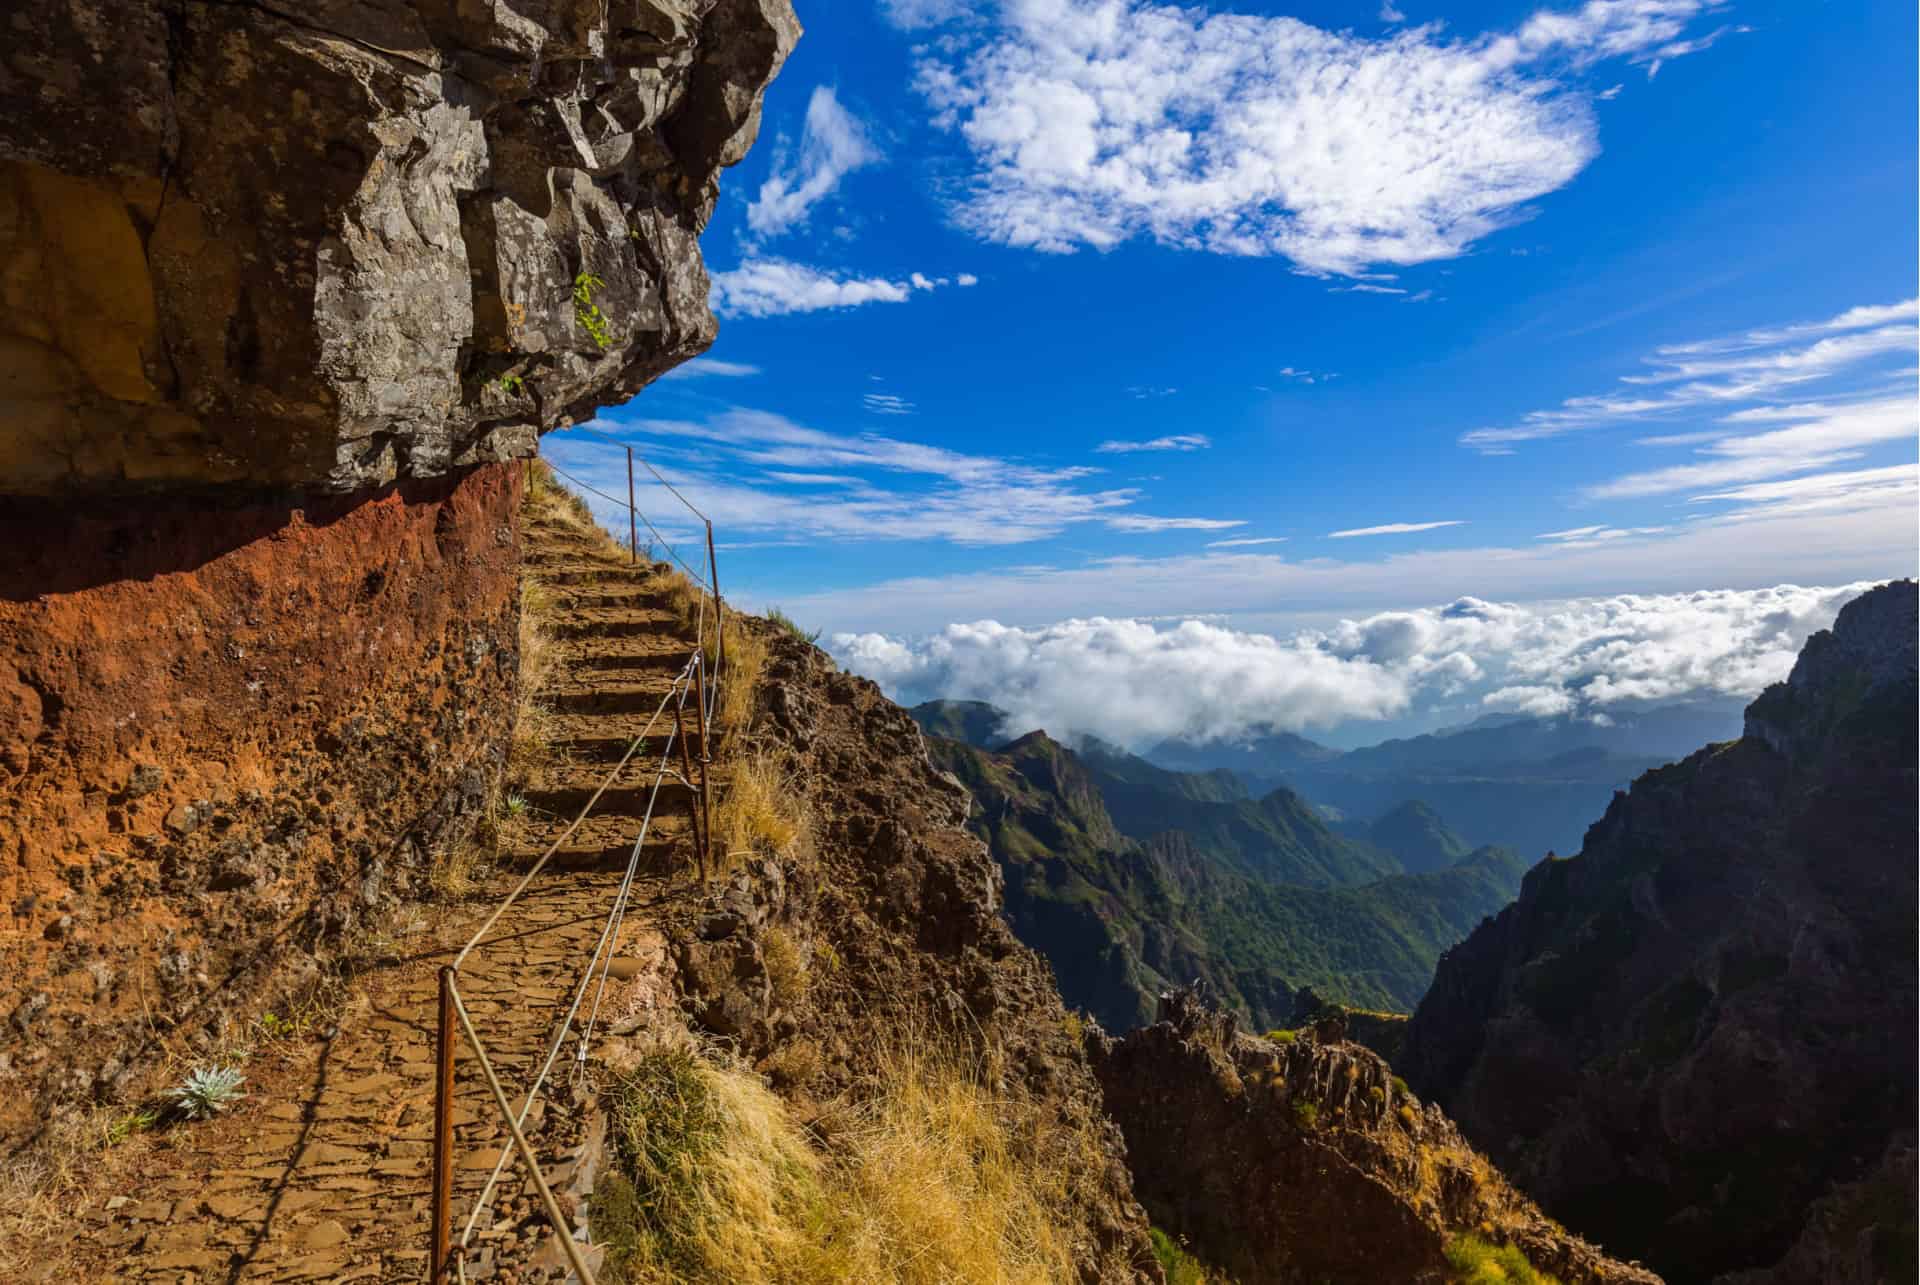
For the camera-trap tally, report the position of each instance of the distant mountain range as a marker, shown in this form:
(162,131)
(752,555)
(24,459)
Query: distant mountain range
(1529,783)
(1532,784)
(1132,879)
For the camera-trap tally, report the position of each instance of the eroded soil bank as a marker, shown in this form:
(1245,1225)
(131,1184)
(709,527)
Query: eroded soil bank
(230,732)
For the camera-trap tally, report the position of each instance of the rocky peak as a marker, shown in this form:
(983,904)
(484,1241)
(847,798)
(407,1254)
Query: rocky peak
(1305,1160)
(1840,670)
(1683,1038)
(332,245)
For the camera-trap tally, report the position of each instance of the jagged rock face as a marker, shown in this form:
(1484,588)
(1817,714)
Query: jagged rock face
(1681,1038)
(1305,1161)
(339,243)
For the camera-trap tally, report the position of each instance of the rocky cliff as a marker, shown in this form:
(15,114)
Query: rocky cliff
(283,292)
(1681,1039)
(348,241)
(1305,1160)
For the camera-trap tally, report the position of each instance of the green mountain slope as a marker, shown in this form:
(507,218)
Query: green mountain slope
(1122,919)
(1415,834)
(974,723)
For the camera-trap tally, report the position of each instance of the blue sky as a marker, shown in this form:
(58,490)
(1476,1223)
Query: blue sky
(1573,301)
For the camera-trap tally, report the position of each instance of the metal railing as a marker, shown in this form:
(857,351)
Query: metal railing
(698,679)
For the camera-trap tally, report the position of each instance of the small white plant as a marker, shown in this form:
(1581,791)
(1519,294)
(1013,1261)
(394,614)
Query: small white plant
(207,1091)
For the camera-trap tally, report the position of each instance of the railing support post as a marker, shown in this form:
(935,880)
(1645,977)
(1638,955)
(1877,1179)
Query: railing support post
(686,772)
(633,526)
(719,622)
(443,1136)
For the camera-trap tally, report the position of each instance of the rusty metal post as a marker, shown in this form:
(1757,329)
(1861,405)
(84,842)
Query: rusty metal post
(443,1136)
(719,622)
(686,772)
(706,799)
(633,526)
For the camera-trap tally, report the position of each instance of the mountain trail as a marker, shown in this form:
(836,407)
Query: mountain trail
(323,1173)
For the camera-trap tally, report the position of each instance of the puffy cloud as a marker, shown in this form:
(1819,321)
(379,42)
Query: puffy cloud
(773,287)
(1142,523)
(1135,682)
(1128,680)
(833,144)
(1096,121)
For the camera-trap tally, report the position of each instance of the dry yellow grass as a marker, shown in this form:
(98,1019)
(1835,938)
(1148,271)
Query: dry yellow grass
(935,1179)
(789,970)
(759,813)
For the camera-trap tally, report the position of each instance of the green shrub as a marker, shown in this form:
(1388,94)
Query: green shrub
(1283,1037)
(1306,1114)
(1476,1262)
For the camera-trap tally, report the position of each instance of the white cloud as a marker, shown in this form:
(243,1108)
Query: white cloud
(771,287)
(1177,442)
(966,279)
(1856,531)
(1814,436)
(1133,682)
(833,144)
(1138,523)
(886,404)
(1389,14)
(1093,122)
(700,366)
(1246,542)
(859,486)
(1392,528)
(1716,375)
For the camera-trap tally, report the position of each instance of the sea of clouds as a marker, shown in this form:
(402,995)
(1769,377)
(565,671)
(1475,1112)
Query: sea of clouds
(1136,682)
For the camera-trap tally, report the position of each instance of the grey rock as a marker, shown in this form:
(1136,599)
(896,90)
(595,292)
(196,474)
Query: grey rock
(337,244)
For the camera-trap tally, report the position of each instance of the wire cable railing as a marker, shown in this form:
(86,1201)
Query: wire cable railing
(698,679)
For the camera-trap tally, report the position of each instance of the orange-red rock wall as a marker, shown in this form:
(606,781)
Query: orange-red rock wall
(231,734)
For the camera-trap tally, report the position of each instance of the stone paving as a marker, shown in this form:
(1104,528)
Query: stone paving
(329,1180)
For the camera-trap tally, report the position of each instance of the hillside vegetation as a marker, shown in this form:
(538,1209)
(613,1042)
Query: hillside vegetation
(1122,920)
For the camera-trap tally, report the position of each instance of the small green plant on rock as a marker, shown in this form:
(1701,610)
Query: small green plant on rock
(514,384)
(791,626)
(206,1092)
(125,1126)
(587,312)
(1306,1114)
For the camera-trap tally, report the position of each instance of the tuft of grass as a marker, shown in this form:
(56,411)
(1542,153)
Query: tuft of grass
(1181,1267)
(936,1178)
(1283,1037)
(788,970)
(787,624)
(206,1092)
(1400,1087)
(1306,1114)
(1477,1262)
(759,812)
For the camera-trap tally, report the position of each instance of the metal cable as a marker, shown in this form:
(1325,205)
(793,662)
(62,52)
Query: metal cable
(580,991)
(546,856)
(561,1228)
(628,446)
(671,551)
